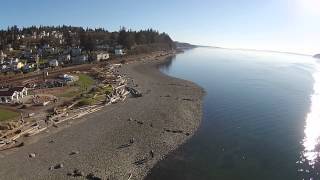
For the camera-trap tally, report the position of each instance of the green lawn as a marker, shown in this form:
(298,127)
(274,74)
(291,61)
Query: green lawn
(85,82)
(70,93)
(6,114)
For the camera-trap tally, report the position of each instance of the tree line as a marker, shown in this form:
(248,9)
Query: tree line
(88,38)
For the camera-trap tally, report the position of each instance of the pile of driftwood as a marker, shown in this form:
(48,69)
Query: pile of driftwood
(120,91)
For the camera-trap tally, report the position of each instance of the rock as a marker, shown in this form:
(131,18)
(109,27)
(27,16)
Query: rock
(77,172)
(91,176)
(131,140)
(74,152)
(55,125)
(58,166)
(32,155)
(130,119)
(51,168)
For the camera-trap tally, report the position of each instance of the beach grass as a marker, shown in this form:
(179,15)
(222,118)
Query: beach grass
(6,114)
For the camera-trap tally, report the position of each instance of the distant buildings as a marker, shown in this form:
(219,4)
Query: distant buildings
(52,47)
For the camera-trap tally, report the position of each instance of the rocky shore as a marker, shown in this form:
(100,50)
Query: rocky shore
(122,141)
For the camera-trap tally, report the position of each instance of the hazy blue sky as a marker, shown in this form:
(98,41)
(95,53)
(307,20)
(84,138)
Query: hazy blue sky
(286,25)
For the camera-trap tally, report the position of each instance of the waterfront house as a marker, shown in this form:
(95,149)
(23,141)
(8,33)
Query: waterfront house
(53,63)
(12,95)
(17,65)
(118,52)
(29,67)
(101,56)
(2,55)
(65,58)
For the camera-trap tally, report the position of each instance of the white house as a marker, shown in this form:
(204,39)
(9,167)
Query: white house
(2,55)
(8,96)
(101,56)
(53,63)
(12,95)
(118,52)
(17,65)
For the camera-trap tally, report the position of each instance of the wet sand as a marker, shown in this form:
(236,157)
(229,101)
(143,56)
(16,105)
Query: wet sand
(167,115)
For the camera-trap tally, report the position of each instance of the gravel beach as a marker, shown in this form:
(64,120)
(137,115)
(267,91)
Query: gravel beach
(122,140)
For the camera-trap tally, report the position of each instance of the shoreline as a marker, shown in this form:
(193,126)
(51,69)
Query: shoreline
(168,114)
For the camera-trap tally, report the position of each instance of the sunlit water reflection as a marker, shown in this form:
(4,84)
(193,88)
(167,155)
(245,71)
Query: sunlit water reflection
(261,117)
(311,141)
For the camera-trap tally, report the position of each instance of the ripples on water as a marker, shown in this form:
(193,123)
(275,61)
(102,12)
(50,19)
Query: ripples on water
(310,159)
(261,117)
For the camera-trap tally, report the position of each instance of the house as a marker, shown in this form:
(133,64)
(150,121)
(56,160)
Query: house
(7,96)
(3,67)
(80,59)
(2,55)
(118,52)
(53,63)
(9,47)
(76,51)
(21,91)
(22,47)
(17,65)
(12,95)
(12,60)
(101,56)
(29,67)
(66,58)
(50,50)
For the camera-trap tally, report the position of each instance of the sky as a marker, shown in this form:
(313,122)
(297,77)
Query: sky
(280,25)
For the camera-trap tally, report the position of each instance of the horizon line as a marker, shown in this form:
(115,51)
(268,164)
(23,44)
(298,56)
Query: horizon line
(259,50)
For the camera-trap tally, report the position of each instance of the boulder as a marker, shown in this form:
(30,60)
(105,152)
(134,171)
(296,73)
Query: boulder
(32,155)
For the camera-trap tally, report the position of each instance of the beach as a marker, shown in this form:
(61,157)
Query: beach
(120,141)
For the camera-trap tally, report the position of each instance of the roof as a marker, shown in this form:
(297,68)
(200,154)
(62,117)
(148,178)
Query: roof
(18,88)
(6,93)
(10,91)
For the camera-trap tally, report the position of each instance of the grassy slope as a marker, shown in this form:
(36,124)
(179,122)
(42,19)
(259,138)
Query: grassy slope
(7,114)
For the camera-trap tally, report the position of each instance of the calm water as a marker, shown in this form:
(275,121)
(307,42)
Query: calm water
(261,117)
